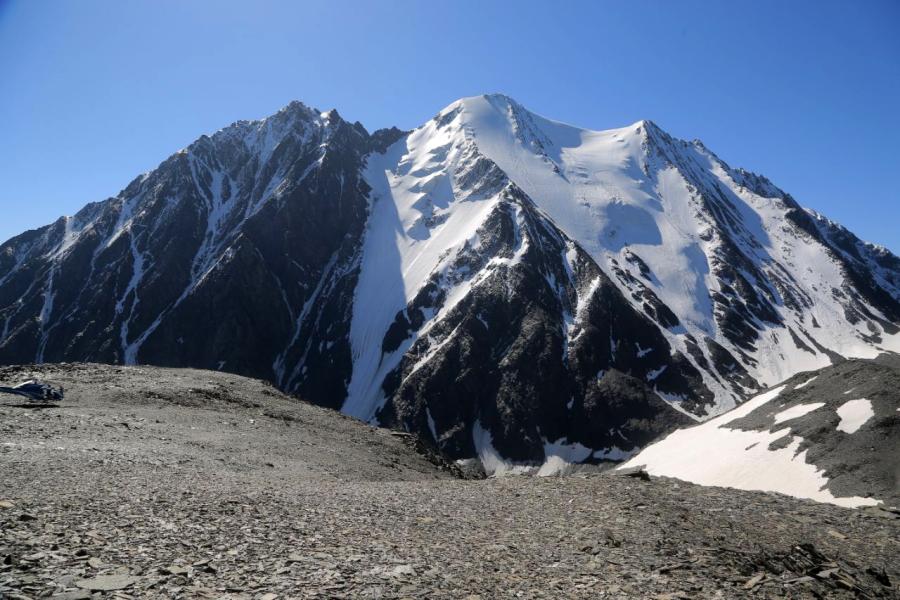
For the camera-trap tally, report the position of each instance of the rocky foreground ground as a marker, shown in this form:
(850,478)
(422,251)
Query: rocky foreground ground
(188,484)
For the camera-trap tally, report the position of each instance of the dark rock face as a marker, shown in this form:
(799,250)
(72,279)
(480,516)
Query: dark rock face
(513,364)
(245,253)
(205,261)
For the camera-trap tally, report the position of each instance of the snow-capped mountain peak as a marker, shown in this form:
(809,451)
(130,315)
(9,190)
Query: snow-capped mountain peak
(511,287)
(675,215)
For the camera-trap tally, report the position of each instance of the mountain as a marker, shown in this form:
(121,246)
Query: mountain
(832,435)
(511,288)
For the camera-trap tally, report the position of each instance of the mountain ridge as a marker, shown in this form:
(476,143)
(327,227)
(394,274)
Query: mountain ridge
(513,288)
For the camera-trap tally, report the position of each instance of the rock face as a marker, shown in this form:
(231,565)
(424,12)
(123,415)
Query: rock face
(832,435)
(512,288)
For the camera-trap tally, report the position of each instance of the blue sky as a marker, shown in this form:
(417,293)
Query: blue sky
(805,92)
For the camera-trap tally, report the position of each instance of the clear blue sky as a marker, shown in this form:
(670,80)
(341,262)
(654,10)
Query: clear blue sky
(806,92)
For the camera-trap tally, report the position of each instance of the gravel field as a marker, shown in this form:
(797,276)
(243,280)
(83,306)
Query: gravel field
(160,483)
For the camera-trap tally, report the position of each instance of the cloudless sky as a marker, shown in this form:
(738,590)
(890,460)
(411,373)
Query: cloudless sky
(806,92)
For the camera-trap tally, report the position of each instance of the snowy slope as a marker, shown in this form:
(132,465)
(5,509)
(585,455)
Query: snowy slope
(412,191)
(812,437)
(457,260)
(692,230)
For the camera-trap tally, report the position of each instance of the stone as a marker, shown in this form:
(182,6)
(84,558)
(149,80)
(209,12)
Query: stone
(754,581)
(106,583)
(34,557)
(403,571)
(636,472)
(174,570)
(76,595)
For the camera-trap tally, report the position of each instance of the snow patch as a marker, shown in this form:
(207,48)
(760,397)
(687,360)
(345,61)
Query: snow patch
(494,464)
(805,383)
(431,425)
(559,456)
(797,411)
(854,414)
(713,454)
(652,375)
(614,453)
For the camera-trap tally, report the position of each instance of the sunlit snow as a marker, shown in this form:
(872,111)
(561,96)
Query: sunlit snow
(797,411)
(854,414)
(713,454)
(805,383)
(615,195)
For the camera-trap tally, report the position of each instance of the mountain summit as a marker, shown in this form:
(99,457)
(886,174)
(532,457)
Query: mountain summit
(512,288)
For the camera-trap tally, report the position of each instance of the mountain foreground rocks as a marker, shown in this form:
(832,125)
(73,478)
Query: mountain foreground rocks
(164,483)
